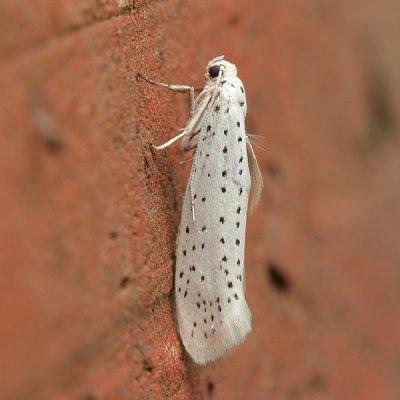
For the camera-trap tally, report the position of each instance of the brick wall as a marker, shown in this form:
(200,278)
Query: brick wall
(89,213)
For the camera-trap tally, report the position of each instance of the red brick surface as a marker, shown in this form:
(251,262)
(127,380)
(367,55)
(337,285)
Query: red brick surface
(89,213)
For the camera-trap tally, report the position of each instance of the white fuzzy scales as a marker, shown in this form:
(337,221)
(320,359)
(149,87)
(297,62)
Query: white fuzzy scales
(212,312)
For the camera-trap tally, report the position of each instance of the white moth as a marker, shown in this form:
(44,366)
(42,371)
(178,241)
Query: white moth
(212,312)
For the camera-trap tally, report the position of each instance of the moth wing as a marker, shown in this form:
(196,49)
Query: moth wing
(256,177)
(212,312)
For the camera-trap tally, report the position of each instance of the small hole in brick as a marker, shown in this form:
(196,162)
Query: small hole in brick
(210,388)
(278,278)
(53,142)
(147,367)
(125,282)
(274,170)
(113,235)
(89,396)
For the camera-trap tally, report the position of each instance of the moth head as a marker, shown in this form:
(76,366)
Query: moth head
(219,67)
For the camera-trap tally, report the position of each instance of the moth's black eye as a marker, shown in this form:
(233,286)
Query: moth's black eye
(214,71)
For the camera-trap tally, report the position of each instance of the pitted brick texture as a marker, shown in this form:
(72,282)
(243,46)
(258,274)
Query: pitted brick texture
(89,211)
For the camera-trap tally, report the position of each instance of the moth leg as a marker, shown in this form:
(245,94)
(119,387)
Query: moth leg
(187,160)
(169,142)
(177,88)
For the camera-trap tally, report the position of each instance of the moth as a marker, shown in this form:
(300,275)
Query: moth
(212,313)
